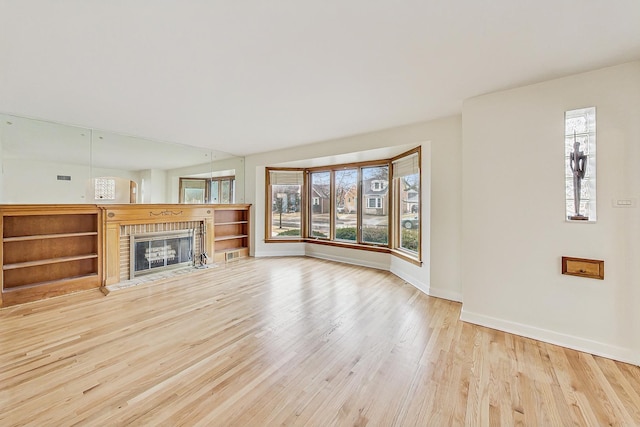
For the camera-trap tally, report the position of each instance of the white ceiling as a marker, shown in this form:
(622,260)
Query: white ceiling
(248,76)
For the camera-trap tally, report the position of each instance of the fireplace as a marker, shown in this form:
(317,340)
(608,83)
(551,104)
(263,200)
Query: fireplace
(153,252)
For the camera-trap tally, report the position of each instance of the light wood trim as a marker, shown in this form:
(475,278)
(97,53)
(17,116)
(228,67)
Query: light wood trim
(278,341)
(112,253)
(417,260)
(156,213)
(210,235)
(406,256)
(415,150)
(352,165)
(1,260)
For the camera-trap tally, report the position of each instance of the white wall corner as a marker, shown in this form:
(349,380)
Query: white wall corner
(413,280)
(597,348)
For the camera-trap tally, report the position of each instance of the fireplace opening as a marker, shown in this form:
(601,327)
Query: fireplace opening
(152,252)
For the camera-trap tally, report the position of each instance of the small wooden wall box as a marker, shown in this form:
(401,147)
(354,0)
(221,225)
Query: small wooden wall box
(583,267)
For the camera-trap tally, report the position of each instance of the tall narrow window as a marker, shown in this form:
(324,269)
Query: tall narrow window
(215,192)
(225,190)
(320,206)
(406,177)
(580,164)
(346,205)
(285,192)
(375,212)
(222,190)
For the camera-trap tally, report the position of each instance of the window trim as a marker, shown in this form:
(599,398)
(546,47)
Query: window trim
(377,199)
(404,253)
(207,188)
(269,211)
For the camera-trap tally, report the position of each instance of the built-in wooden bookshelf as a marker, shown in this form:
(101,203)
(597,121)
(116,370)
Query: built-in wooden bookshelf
(231,232)
(49,250)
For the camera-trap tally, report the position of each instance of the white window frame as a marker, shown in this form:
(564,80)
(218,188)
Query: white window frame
(378,202)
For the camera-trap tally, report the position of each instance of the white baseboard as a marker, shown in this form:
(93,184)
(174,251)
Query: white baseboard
(576,343)
(413,281)
(264,254)
(445,294)
(346,260)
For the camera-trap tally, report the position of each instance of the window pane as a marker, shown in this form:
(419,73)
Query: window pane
(192,190)
(285,210)
(320,196)
(214,192)
(375,215)
(409,198)
(105,189)
(225,186)
(346,183)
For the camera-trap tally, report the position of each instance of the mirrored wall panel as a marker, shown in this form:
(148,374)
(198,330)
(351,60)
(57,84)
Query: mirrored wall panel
(47,162)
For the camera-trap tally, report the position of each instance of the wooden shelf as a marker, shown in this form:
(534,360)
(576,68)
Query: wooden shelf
(231,232)
(48,236)
(232,222)
(49,250)
(47,261)
(231,237)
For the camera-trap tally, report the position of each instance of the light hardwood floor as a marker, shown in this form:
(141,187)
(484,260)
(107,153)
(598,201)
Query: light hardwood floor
(290,341)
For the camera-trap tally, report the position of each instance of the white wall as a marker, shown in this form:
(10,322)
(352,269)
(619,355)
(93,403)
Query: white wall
(1,166)
(152,187)
(513,227)
(30,181)
(34,181)
(441,148)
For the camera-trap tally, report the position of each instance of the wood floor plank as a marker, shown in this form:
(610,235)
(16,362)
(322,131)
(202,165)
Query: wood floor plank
(290,341)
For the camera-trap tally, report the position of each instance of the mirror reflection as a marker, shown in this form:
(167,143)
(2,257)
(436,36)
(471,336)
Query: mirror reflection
(47,162)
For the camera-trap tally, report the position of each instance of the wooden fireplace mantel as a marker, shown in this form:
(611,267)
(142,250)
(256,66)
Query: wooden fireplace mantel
(214,217)
(158,213)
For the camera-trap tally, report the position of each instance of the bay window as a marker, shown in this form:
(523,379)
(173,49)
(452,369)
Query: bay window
(328,209)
